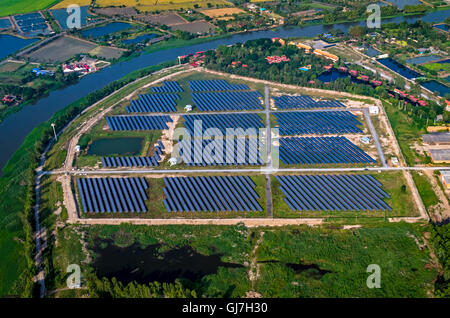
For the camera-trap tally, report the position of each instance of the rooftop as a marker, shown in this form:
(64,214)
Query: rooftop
(440,154)
(436,138)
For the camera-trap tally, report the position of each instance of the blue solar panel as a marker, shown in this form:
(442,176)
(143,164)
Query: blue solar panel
(305,102)
(102,195)
(144,122)
(320,122)
(151,103)
(223,121)
(215,85)
(210,194)
(321,150)
(227,101)
(167,87)
(333,193)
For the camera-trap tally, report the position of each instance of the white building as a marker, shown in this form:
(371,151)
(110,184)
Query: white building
(374,110)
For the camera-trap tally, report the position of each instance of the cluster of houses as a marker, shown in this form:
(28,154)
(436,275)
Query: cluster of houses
(277,59)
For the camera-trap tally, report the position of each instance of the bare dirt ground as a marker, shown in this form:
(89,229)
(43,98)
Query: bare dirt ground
(254,270)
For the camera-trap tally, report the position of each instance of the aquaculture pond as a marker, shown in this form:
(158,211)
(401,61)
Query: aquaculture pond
(423,59)
(106,29)
(442,26)
(370,51)
(116,146)
(61,16)
(145,264)
(435,86)
(11,44)
(399,68)
(140,39)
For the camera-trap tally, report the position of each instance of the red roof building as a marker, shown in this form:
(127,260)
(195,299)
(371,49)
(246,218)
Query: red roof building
(354,73)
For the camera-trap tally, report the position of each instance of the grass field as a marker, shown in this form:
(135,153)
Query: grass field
(13,7)
(162,5)
(321,262)
(61,50)
(66,3)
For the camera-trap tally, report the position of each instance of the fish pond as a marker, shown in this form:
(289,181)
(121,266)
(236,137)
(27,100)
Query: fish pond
(116,146)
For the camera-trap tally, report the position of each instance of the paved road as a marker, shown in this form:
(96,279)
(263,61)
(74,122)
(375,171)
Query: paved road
(376,140)
(263,170)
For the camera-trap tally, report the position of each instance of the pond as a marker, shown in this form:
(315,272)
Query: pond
(442,26)
(61,15)
(145,264)
(331,76)
(139,39)
(370,51)
(435,86)
(11,44)
(423,59)
(106,29)
(116,146)
(401,3)
(399,68)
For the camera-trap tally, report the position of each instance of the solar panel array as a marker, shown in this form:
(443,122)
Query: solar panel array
(321,150)
(320,122)
(144,122)
(227,100)
(113,162)
(245,151)
(31,22)
(102,195)
(167,87)
(149,103)
(333,193)
(306,102)
(223,121)
(210,194)
(215,85)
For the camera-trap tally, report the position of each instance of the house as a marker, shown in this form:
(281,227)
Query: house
(9,99)
(188,108)
(445,178)
(365,140)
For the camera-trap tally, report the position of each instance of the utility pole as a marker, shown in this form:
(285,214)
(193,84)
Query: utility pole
(54,131)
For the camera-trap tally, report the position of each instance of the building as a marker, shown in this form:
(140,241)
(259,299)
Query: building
(38,71)
(188,108)
(445,178)
(437,138)
(394,161)
(173,161)
(374,110)
(365,140)
(326,54)
(9,99)
(440,155)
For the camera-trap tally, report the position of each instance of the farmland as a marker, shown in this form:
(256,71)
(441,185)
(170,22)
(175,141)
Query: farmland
(217,13)
(12,7)
(163,5)
(61,50)
(65,3)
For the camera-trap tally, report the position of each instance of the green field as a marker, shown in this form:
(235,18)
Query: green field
(13,7)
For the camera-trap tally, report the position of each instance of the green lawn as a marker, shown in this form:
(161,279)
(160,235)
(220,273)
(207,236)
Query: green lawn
(338,260)
(13,7)
(425,189)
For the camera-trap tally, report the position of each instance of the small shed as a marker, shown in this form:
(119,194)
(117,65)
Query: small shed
(188,108)
(374,110)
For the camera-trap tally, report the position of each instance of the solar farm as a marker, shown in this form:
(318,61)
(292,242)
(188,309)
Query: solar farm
(311,132)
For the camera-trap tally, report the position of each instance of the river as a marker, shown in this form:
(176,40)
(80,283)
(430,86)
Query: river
(16,127)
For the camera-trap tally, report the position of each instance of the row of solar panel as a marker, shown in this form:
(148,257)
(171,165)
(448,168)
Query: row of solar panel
(167,87)
(211,194)
(222,122)
(112,162)
(144,122)
(286,102)
(215,85)
(320,150)
(320,122)
(149,103)
(243,151)
(227,100)
(112,194)
(333,193)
